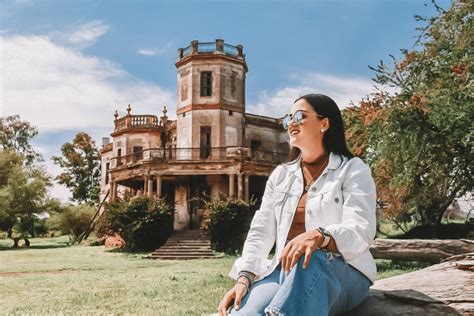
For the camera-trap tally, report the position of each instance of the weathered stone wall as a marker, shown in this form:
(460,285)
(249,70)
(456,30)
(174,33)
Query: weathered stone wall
(184,130)
(228,83)
(126,141)
(268,137)
(218,184)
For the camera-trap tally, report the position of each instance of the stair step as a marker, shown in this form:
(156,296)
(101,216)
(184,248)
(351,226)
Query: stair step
(181,258)
(186,244)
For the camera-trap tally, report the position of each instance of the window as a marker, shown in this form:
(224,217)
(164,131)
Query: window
(205,151)
(255,149)
(206,84)
(119,154)
(231,113)
(107,166)
(137,153)
(255,145)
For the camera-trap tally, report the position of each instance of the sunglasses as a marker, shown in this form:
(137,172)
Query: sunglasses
(297,118)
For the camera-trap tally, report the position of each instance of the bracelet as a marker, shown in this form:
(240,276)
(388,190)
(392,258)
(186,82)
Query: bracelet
(246,286)
(248,276)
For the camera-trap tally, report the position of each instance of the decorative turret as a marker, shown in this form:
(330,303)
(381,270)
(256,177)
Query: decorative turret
(211,94)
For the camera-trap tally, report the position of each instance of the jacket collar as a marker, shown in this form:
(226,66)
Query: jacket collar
(335,161)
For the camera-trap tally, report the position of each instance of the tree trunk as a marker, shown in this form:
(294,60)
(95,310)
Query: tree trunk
(429,250)
(442,289)
(10,232)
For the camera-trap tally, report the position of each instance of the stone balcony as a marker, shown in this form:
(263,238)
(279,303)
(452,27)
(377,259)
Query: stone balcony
(136,121)
(217,47)
(203,154)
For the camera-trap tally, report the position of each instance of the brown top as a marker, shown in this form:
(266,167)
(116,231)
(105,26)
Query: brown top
(311,172)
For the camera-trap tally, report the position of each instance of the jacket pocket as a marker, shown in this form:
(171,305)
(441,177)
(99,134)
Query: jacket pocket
(330,205)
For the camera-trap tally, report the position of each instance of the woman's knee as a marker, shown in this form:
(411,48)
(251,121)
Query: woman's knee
(317,261)
(317,256)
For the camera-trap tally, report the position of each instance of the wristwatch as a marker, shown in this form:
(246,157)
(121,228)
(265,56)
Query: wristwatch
(326,235)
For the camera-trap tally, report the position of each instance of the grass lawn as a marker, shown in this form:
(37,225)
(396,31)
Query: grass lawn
(51,277)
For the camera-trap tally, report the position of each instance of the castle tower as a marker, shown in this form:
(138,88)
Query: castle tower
(211,98)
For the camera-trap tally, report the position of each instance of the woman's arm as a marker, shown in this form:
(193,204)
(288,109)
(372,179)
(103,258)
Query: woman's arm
(261,236)
(356,231)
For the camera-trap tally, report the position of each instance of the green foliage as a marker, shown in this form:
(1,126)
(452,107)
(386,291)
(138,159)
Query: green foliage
(23,191)
(33,227)
(419,139)
(145,223)
(228,221)
(73,220)
(15,136)
(81,163)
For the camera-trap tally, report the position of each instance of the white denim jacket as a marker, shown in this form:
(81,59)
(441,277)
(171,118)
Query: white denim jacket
(342,200)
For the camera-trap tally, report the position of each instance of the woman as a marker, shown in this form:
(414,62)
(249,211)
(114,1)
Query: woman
(319,209)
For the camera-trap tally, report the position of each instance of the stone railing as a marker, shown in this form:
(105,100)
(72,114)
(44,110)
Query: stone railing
(217,47)
(198,154)
(136,121)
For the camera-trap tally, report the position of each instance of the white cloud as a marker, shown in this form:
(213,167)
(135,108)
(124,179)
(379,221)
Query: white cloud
(87,34)
(155,51)
(55,87)
(59,88)
(149,52)
(342,89)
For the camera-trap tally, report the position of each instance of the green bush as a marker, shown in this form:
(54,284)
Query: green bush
(228,221)
(145,223)
(73,220)
(32,226)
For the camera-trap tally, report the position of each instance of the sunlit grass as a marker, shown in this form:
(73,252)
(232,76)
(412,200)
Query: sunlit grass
(52,278)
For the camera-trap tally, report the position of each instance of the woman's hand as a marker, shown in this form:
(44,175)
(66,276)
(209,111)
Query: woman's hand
(303,244)
(234,295)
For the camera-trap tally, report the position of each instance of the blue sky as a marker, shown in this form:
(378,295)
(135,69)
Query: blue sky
(66,66)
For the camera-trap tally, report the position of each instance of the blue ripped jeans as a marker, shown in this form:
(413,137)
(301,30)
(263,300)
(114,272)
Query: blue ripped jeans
(328,286)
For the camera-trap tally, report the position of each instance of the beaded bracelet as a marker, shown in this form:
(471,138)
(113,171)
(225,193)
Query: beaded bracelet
(248,276)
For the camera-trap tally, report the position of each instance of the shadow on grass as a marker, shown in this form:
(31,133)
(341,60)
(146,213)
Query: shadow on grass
(46,246)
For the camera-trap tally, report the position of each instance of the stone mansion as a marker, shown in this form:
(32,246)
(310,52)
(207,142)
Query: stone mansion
(212,147)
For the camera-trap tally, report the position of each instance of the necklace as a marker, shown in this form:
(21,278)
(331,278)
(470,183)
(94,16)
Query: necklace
(306,187)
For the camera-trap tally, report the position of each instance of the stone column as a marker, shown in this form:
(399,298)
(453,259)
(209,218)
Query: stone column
(145,185)
(149,191)
(220,45)
(158,186)
(113,191)
(246,188)
(194,47)
(231,184)
(240,186)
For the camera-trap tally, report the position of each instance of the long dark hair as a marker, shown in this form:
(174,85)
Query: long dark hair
(334,139)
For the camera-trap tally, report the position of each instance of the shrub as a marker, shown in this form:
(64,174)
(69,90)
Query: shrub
(73,220)
(145,223)
(32,226)
(228,221)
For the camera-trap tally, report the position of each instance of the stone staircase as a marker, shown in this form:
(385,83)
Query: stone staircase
(185,244)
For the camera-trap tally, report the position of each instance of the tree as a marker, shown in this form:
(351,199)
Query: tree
(23,191)
(15,135)
(419,140)
(81,163)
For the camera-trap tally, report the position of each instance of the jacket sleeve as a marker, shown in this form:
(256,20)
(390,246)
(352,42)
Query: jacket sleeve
(356,231)
(261,236)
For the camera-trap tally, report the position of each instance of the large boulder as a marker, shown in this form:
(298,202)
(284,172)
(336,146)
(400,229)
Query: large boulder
(443,289)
